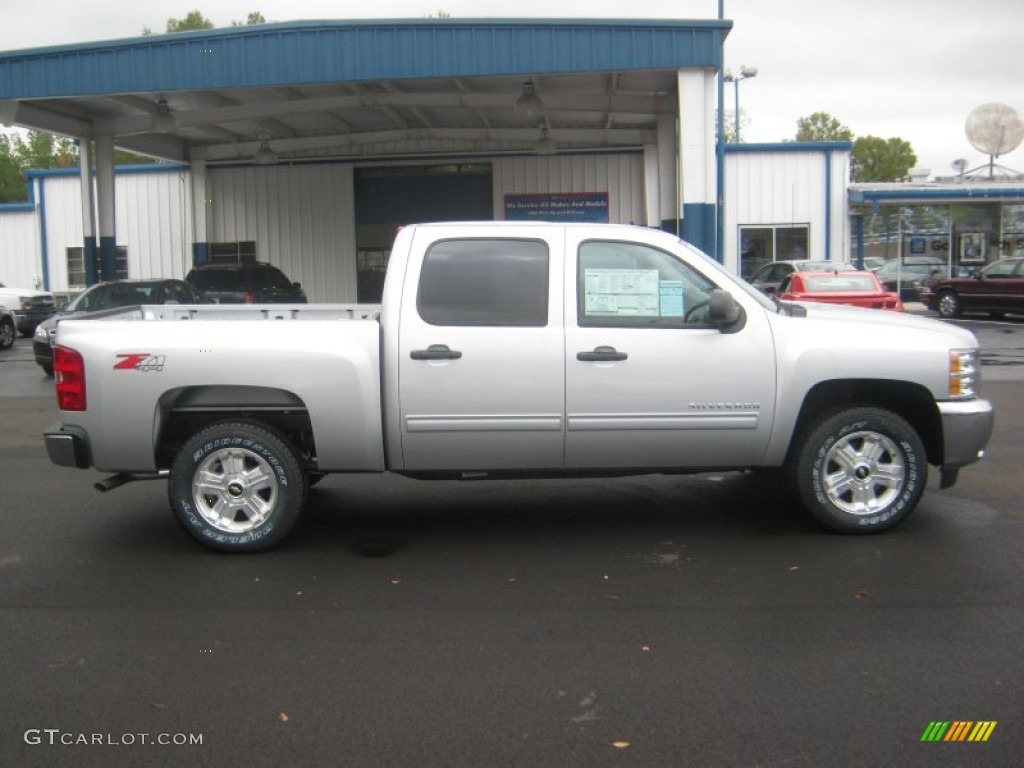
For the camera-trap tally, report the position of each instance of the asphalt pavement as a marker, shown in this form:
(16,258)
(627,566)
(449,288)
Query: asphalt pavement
(653,621)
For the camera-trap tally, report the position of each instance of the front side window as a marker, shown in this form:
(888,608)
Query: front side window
(628,285)
(485,282)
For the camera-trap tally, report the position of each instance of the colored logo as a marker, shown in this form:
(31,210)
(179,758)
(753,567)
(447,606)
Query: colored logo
(136,361)
(958,730)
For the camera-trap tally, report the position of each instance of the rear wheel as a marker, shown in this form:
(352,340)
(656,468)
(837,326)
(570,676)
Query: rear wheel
(860,470)
(948,304)
(7,333)
(237,486)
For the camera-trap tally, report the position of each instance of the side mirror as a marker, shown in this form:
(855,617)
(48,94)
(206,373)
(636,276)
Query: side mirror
(725,313)
(976,273)
(297,286)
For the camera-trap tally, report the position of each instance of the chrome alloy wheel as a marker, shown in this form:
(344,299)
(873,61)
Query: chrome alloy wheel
(234,490)
(948,304)
(864,472)
(7,334)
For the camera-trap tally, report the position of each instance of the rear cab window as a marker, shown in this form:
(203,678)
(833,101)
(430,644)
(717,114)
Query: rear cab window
(485,282)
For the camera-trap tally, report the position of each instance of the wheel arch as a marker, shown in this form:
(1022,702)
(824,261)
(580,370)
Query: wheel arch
(911,401)
(183,411)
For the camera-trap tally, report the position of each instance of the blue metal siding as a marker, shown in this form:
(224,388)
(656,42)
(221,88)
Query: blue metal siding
(321,52)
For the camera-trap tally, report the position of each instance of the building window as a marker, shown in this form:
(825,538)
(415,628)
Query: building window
(233,253)
(485,282)
(1012,243)
(76,266)
(763,244)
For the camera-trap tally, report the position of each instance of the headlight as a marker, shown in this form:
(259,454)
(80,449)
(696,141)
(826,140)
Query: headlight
(963,373)
(41,334)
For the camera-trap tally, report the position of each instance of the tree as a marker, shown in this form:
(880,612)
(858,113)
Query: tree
(36,149)
(253,18)
(821,126)
(876,159)
(12,183)
(729,124)
(193,20)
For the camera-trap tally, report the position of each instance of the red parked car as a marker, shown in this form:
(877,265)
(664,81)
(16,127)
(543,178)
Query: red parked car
(860,289)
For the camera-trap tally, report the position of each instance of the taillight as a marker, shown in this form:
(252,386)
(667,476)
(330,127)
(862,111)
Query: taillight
(69,375)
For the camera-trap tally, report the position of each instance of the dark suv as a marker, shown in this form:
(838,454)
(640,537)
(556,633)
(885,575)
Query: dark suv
(245,283)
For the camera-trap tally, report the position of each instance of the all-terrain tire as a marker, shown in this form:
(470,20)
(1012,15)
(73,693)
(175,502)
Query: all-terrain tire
(237,486)
(860,469)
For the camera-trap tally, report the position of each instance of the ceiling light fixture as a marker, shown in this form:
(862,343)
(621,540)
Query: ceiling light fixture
(163,120)
(529,102)
(264,155)
(545,144)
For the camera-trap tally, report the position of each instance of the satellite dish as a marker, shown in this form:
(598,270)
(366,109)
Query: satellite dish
(959,165)
(994,129)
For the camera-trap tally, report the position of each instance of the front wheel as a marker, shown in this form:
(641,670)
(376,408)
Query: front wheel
(237,486)
(7,333)
(860,470)
(948,304)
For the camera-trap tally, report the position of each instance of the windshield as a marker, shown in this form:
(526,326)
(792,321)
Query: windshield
(840,283)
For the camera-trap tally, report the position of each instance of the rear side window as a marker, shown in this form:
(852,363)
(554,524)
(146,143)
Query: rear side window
(485,282)
(215,280)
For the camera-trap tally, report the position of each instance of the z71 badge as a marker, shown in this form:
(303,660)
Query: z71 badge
(139,361)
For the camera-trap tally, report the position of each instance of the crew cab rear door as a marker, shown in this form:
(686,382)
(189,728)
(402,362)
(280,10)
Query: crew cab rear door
(481,351)
(649,382)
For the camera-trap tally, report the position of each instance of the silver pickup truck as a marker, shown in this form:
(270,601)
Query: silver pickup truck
(523,350)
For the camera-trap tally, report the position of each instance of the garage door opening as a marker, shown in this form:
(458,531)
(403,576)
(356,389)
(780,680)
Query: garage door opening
(388,198)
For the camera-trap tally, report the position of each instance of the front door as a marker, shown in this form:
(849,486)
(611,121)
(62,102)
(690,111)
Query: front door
(481,353)
(649,383)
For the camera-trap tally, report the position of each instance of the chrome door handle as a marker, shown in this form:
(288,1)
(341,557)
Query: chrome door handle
(435,352)
(601,354)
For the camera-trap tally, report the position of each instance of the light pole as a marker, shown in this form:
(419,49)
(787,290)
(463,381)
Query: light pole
(745,73)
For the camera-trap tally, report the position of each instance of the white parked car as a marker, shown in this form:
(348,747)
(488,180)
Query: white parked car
(29,307)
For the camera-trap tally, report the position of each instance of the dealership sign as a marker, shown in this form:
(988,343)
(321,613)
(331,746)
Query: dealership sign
(558,206)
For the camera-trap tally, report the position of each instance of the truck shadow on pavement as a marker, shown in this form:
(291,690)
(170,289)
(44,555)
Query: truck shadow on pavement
(379,525)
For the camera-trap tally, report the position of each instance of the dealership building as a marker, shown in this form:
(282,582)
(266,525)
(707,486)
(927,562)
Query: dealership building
(309,144)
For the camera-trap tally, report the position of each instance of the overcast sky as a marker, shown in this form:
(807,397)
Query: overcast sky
(907,68)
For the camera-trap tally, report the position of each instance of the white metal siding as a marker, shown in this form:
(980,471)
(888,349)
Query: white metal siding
(786,188)
(20,266)
(301,217)
(620,175)
(151,220)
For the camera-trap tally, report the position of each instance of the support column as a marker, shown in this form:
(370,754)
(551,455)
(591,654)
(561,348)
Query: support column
(668,174)
(652,187)
(698,170)
(200,201)
(85,157)
(105,206)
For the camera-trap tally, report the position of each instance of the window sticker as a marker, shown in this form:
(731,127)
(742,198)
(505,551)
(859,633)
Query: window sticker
(671,298)
(622,293)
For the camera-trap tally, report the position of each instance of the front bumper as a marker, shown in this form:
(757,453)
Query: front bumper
(68,446)
(966,428)
(28,320)
(43,353)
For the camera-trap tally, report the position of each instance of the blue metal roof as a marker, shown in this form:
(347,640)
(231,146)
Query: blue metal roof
(792,146)
(906,193)
(307,52)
